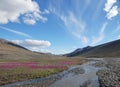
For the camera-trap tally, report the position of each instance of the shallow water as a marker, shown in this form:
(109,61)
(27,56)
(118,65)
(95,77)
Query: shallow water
(71,80)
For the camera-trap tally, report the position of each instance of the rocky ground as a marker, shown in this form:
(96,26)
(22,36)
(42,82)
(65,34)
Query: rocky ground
(110,77)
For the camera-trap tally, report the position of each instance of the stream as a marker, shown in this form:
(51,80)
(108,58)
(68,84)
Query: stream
(89,77)
(69,79)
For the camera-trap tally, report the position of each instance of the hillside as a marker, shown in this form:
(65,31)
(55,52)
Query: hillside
(11,51)
(110,49)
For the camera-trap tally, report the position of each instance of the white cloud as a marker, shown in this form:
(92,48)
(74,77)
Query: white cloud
(35,45)
(113,12)
(15,32)
(109,4)
(101,34)
(12,10)
(29,21)
(110,9)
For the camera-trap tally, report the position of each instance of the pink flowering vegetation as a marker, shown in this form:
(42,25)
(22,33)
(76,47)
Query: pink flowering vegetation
(22,70)
(68,62)
(18,71)
(36,65)
(7,65)
(32,65)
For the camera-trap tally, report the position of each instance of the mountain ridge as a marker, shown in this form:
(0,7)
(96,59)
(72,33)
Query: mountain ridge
(12,51)
(109,49)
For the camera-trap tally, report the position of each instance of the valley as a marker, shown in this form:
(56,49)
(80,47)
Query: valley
(20,67)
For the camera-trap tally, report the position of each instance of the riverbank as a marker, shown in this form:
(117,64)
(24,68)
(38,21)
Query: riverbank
(23,71)
(18,74)
(45,82)
(94,73)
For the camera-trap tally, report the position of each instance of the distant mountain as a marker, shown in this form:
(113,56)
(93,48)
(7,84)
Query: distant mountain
(110,49)
(9,50)
(79,51)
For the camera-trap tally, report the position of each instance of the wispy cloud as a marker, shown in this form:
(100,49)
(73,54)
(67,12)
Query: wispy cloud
(15,32)
(101,34)
(111,9)
(97,10)
(84,7)
(73,24)
(117,28)
(71,19)
(83,38)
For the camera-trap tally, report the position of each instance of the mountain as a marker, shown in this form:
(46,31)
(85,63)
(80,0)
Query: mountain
(79,51)
(11,51)
(110,49)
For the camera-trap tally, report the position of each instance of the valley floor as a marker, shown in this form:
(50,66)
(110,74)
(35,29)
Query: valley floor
(15,71)
(104,72)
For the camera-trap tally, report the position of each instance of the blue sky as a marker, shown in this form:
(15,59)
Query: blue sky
(59,26)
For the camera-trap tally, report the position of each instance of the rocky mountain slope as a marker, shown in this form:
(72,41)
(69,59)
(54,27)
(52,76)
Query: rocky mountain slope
(110,49)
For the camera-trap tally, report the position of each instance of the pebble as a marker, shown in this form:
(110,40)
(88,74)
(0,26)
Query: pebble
(110,77)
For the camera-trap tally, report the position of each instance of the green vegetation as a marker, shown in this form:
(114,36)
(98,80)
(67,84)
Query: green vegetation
(20,74)
(11,75)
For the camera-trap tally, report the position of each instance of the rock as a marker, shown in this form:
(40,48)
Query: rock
(77,71)
(99,64)
(86,84)
(108,78)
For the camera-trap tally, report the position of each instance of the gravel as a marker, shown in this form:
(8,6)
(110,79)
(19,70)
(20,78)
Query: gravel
(77,71)
(110,77)
(99,64)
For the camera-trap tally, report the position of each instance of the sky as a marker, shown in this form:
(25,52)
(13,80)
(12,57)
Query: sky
(59,26)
